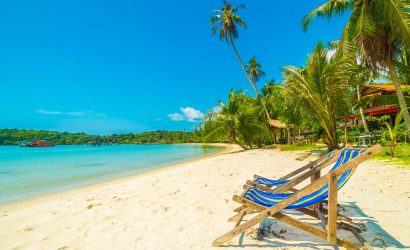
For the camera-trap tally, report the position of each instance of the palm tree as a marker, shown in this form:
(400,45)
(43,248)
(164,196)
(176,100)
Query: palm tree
(282,108)
(226,20)
(254,69)
(235,121)
(404,65)
(320,88)
(378,29)
(361,78)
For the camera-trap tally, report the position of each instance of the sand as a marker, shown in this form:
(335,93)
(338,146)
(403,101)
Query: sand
(187,206)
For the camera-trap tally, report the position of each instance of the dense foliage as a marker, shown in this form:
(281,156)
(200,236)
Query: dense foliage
(379,34)
(14,136)
(321,88)
(374,43)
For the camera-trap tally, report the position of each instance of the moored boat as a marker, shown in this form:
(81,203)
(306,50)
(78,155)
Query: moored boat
(37,143)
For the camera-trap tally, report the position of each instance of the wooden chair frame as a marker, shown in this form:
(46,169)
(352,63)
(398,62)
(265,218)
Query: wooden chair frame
(330,232)
(296,176)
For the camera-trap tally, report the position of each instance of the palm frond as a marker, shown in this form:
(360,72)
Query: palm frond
(327,10)
(397,15)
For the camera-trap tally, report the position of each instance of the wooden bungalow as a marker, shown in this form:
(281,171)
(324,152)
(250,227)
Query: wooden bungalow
(375,107)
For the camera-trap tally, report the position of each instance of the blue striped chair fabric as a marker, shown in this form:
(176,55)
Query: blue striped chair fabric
(267,199)
(271,183)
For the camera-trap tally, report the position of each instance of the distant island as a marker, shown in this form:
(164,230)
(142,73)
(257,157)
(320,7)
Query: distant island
(15,136)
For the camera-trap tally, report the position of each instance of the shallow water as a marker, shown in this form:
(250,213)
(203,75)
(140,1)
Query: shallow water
(30,172)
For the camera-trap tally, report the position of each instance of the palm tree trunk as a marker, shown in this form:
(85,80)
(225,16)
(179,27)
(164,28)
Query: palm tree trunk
(331,134)
(248,77)
(399,92)
(237,142)
(359,97)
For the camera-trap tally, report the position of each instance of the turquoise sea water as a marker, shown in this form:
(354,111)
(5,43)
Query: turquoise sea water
(30,172)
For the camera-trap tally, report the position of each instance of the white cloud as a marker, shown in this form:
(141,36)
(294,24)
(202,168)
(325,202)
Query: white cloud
(71,113)
(76,113)
(176,117)
(191,114)
(45,112)
(188,114)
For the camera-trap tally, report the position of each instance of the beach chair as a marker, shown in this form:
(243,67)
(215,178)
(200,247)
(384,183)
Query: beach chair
(266,184)
(270,204)
(311,170)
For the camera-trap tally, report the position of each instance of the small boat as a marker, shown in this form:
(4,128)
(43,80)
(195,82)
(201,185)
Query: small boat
(37,143)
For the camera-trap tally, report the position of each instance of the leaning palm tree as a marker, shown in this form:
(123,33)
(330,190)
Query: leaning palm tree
(235,121)
(320,88)
(378,29)
(226,20)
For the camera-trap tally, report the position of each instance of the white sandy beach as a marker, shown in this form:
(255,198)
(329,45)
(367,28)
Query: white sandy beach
(187,207)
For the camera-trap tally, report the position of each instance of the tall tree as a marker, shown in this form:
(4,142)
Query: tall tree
(254,69)
(320,88)
(226,20)
(378,29)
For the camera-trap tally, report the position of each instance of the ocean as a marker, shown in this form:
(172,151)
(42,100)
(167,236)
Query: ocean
(30,172)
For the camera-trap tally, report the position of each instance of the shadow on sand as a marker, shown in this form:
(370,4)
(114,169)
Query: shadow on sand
(374,234)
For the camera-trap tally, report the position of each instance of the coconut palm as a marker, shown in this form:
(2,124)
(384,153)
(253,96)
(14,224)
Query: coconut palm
(235,121)
(254,69)
(321,89)
(225,22)
(378,29)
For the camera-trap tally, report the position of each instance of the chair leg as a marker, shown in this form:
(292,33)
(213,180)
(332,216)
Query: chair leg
(332,209)
(238,216)
(242,214)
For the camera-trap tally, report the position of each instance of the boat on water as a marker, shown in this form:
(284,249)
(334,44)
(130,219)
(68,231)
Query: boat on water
(37,143)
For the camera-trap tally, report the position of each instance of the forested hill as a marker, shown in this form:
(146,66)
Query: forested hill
(14,136)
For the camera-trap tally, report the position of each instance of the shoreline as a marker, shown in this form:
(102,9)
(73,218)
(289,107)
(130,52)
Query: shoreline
(186,206)
(225,148)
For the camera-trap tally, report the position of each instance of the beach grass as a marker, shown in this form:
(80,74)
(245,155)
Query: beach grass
(402,158)
(300,147)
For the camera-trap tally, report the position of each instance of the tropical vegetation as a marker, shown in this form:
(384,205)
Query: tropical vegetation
(378,31)
(14,136)
(225,22)
(374,44)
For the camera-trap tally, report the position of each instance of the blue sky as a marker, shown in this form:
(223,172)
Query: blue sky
(106,67)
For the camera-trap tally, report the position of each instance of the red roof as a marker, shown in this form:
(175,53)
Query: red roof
(384,111)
